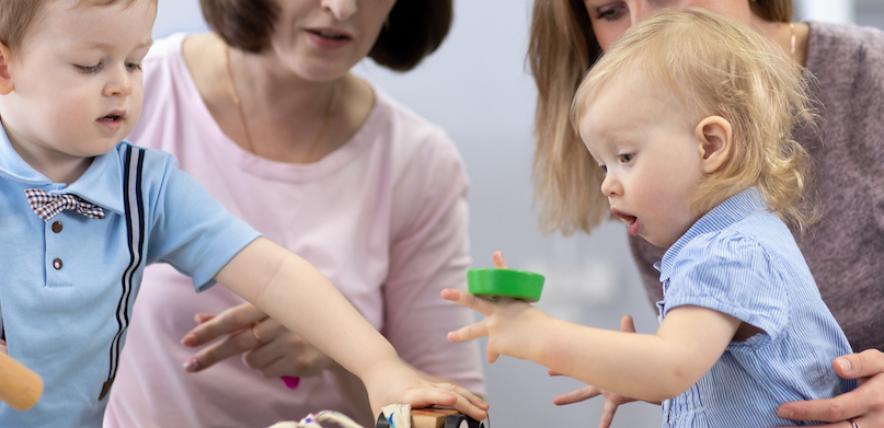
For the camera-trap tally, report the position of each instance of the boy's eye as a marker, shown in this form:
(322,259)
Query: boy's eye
(604,169)
(133,66)
(611,12)
(625,157)
(89,69)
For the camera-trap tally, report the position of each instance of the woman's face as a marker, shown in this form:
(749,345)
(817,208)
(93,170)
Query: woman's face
(611,18)
(321,40)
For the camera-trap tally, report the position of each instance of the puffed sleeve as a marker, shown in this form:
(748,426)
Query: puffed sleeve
(732,275)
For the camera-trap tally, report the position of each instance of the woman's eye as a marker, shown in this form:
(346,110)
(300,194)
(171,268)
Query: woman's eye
(89,69)
(611,12)
(133,66)
(625,158)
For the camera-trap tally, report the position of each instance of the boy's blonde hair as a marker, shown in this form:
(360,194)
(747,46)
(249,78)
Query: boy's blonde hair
(718,67)
(16,16)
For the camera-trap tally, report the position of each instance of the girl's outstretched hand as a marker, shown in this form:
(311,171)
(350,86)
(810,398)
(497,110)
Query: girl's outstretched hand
(513,327)
(396,382)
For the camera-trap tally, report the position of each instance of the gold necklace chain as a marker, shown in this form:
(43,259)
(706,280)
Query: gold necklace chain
(234,95)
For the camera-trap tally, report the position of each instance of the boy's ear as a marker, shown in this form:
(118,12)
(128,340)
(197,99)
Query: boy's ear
(715,136)
(6,85)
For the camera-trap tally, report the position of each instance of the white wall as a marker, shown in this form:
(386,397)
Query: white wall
(478,88)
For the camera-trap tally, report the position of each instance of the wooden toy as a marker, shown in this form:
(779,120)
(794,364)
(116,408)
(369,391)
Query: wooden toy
(19,386)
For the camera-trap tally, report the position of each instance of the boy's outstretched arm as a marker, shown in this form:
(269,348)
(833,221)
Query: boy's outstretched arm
(649,367)
(292,291)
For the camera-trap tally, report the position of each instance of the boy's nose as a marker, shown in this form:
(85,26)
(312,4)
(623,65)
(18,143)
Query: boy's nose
(119,85)
(341,9)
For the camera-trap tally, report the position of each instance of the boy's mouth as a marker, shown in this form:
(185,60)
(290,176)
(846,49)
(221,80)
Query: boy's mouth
(113,119)
(631,221)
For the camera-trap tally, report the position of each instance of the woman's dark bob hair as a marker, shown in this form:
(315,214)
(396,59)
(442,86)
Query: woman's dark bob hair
(414,28)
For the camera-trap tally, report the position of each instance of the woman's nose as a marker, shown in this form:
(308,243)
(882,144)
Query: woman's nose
(341,9)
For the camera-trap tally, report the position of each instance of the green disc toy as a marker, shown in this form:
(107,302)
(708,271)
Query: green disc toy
(496,282)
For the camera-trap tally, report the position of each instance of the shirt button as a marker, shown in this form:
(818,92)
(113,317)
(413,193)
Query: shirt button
(57,264)
(57,227)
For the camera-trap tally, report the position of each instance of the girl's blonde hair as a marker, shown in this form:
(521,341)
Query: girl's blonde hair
(719,67)
(562,48)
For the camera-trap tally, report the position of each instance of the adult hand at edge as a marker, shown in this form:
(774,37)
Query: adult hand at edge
(864,405)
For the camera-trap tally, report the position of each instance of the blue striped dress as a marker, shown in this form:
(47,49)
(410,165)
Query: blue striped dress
(740,259)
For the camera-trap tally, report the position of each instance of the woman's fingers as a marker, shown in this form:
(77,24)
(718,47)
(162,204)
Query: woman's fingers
(230,321)
(860,365)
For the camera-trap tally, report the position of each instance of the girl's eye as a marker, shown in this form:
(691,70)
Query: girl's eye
(89,69)
(611,12)
(625,158)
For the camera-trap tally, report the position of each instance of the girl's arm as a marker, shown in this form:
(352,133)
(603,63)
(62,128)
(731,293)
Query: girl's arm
(649,367)
(292,291)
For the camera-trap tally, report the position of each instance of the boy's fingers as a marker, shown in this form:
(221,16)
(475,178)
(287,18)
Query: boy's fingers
(860,365)
(228,322)
(499,261)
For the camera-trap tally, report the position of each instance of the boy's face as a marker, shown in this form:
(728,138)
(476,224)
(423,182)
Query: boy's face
(76,78)
(644,139)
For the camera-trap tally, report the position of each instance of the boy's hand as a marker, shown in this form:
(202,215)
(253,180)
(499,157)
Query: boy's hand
(513,327)
(396,382)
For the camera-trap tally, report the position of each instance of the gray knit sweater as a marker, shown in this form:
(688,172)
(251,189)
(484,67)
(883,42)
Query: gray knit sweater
(845,249)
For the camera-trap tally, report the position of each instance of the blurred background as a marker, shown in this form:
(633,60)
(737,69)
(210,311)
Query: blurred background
(478,87)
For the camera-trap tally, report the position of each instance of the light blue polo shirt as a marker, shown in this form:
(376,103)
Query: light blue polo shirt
(68,285)
(740,259)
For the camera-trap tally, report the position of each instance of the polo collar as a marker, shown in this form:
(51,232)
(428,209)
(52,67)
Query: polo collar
(101,184)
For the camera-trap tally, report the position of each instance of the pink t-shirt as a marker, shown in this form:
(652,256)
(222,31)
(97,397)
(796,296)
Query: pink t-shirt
(384,217)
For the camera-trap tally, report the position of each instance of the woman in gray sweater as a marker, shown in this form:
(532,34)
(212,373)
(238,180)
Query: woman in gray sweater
(844,249)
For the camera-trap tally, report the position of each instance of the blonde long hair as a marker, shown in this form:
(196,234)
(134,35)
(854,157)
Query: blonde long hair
(562,48)
(718,67)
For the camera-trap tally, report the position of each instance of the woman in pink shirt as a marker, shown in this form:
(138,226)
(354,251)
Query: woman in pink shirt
(266,114)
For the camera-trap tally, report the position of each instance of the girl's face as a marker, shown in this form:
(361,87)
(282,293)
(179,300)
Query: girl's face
(611,18)
(322,40)
(642,137)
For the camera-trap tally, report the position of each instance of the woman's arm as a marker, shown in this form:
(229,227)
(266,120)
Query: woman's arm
(649,367)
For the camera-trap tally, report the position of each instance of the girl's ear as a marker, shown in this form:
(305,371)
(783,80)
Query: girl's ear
(715,136)
(6,85)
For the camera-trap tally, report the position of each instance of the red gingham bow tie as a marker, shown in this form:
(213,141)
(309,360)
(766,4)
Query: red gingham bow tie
(48,205)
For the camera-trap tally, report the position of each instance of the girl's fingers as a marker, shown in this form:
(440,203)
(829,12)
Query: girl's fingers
(576,396)
(608,412)
(627,324)
(470,332)
(499,261)
(483,307)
